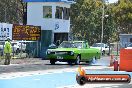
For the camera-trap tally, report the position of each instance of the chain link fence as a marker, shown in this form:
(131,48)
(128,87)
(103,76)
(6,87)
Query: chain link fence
(21,52)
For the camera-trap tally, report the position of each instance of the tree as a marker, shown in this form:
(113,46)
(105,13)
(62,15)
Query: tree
(86,21)
(11,11)
(123,15)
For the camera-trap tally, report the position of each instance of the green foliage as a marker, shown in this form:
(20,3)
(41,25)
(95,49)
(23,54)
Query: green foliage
(86,20)
(123,15)
(11,11)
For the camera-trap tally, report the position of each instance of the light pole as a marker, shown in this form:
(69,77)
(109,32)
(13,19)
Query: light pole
(102,31)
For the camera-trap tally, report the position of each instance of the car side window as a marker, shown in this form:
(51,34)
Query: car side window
(106,46)
(84,45)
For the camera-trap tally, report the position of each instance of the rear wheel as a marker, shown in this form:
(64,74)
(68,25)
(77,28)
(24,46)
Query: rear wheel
(87,61)
(103,52)
(77,60)
(69,62)
(94,60)
(52,62)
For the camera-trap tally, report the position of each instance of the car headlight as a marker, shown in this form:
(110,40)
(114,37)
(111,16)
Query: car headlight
(48,52)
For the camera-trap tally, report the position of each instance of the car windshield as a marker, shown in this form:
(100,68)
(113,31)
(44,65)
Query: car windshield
(98,45)
(71,45)
(130,45)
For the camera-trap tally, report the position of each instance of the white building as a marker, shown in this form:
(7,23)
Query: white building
(50,15)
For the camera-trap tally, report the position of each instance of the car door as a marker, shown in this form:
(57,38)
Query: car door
(86,52)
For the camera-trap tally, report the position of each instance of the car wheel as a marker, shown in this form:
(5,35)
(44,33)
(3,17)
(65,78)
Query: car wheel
(103,52)
(81,80)
(52,62)
(108,54)
(87,61)
(69,62)
(94,60)
(77,60)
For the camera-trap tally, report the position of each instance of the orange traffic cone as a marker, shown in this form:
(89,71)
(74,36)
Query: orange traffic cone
(111,60)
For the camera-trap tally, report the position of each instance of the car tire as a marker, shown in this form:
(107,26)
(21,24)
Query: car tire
(69,62)
(77,60)
(108,54)
(81,80)
(52,62)
(103,52)
(94,60)
(87,61)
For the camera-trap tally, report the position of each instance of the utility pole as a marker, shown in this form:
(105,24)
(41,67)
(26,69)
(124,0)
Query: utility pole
(102,31)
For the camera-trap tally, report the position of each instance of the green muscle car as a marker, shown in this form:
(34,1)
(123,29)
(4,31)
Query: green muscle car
(73,52)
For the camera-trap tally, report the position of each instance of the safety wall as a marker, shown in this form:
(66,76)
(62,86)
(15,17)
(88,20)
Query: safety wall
(125,60)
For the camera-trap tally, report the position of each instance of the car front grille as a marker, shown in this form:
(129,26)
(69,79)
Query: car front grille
(61,52)
(52,52)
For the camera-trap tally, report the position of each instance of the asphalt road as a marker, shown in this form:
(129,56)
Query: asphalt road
(35,64)
(36,73)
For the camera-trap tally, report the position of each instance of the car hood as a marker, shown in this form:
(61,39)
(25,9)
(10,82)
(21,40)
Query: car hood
(63,49)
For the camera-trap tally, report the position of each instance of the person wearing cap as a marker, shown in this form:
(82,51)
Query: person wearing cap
(7,51)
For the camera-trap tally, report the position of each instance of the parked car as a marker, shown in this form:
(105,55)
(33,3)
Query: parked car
(105,48)
(1,48)
(73,52)
(16,46)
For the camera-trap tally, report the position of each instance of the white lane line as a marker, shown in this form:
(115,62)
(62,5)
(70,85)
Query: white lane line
(23,74)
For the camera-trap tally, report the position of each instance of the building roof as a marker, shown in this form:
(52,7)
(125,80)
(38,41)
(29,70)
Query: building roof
(125,34)
(67,1)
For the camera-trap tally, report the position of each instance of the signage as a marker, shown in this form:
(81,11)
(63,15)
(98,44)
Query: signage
(82,77)
(26,32)
(5,31)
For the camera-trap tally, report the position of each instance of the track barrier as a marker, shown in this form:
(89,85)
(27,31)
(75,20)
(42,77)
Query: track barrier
(125,60)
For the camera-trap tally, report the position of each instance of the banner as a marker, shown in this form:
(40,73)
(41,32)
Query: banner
(26,32)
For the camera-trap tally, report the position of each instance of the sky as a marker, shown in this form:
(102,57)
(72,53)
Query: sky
(112,1)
